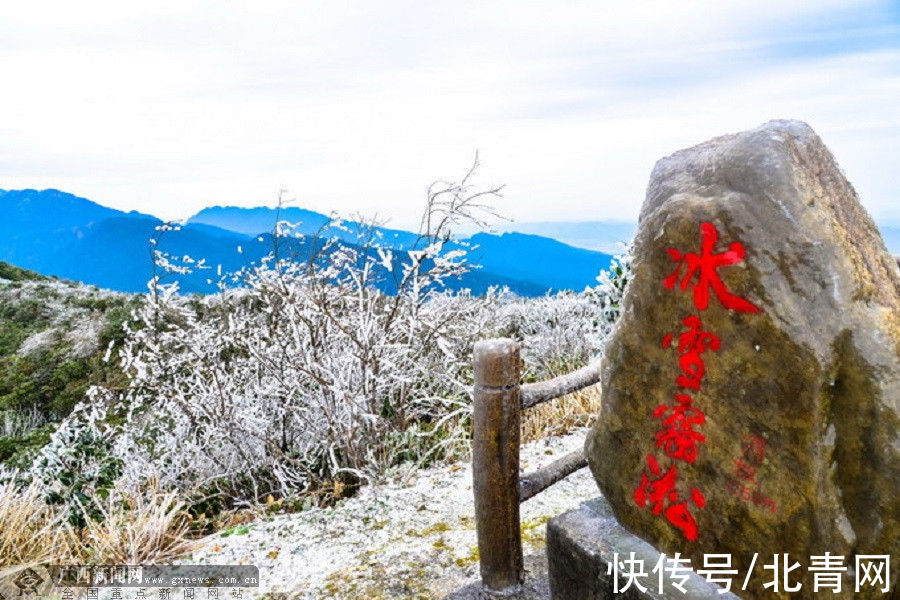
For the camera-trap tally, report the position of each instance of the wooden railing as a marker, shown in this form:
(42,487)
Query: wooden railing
(499,399)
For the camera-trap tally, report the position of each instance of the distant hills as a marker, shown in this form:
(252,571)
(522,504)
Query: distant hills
(55,233)
(608,237)
(516,256)
(59,234)
(254,221)
(527,257)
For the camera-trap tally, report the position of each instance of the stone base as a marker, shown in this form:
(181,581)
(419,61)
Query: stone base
(534,586)
(580,546)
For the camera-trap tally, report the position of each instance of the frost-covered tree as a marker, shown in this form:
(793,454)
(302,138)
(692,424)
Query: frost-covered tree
(306,370)
(326,361)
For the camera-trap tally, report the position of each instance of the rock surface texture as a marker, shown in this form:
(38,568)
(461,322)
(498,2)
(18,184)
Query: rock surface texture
(751,387)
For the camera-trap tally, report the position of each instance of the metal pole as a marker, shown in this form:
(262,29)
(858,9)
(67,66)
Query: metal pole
(495,464)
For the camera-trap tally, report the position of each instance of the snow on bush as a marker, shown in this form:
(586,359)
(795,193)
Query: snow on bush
(327,361)
(564,331)
(77,468)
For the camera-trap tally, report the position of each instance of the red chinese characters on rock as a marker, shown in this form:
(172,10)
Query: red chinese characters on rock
(691,344)
(704,267)
(660,493)
(678,437)
(754,448)
(743,483)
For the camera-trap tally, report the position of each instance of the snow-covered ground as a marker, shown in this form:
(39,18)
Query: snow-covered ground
(411,538)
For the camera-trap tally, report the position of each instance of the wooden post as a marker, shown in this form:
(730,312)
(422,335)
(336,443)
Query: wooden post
(495,464)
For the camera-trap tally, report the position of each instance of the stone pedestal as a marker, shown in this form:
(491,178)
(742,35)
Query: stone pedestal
(581,544)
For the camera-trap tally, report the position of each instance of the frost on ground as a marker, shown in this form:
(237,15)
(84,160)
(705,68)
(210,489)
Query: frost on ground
(410,538)
(67,311)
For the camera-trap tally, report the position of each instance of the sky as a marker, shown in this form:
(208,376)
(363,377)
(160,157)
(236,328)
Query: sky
(167,107)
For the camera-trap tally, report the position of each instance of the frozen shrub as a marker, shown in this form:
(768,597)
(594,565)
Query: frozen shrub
(305,371)
(77,468)
(327,361)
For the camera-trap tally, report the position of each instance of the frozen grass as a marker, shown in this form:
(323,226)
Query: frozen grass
(31,532)
(146,528)
(412,537)
(561,415)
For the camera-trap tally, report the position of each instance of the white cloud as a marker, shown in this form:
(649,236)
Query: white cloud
(174,106)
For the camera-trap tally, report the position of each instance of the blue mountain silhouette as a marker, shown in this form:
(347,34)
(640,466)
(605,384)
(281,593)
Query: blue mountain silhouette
(254,221)
(55,233)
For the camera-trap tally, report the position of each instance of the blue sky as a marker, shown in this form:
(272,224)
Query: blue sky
(169,107)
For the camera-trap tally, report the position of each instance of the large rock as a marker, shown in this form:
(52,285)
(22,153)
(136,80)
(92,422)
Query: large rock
(769,422)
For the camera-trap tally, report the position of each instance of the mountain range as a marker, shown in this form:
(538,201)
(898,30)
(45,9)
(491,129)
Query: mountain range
(609,237)
(56,233)
(60,234)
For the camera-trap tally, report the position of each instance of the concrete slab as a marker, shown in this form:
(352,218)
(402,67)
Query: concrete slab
(581,544)
(534,586)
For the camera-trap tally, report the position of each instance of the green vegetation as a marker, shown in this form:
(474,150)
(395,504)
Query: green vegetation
(14,273)
(18,451)
(236,530)
(53,336)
